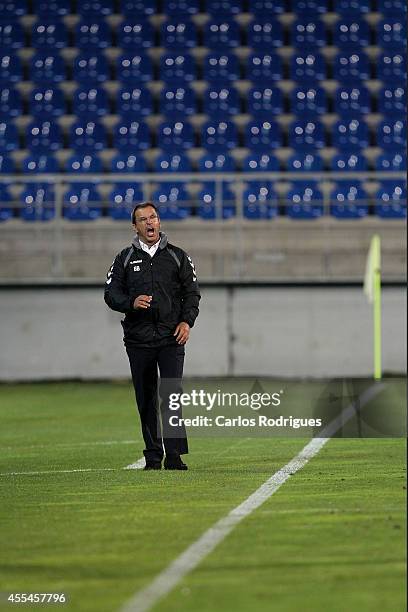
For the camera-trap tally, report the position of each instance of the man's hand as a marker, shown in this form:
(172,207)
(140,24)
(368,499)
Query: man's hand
(142,301)
(182,332)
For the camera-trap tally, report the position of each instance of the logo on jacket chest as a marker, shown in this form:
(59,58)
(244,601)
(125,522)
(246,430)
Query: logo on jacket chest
(136,268)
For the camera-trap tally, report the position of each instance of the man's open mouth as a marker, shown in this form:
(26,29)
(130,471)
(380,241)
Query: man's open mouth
(150,232)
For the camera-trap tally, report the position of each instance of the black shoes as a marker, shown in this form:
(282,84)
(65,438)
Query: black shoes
(170,463)
(174,463)
(152,465)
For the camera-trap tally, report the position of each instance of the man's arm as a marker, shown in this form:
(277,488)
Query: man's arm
(116,294)
(190,292)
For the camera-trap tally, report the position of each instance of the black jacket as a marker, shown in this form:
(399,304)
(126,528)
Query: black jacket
(169,276)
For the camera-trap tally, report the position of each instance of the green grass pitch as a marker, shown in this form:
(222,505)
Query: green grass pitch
(331,539)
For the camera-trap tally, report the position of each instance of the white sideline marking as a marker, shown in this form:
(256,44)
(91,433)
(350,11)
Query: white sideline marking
(139,465)
(196,552)
(58,471)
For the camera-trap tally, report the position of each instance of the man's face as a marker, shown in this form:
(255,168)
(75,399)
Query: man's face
(147,225)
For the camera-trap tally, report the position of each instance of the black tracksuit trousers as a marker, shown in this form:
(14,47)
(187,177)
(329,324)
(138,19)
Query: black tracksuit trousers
(144,366)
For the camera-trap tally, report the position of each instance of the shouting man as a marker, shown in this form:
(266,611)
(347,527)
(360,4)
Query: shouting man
(155,284)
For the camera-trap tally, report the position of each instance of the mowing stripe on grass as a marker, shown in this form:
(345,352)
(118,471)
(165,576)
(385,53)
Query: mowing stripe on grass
(196,552)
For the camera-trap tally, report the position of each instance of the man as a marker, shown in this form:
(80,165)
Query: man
(155,284)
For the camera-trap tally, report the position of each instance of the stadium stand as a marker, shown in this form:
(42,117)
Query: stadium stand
(207,85)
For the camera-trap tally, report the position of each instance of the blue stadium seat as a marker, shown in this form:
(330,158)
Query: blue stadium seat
(47,67)
(260,162)
(11,104)
(43,136)
(352,100)
(305,162)
(91,68)
(177,68)
(135,34)
(172,162)
(49,33)
(350,134)
(9,138)
(122,200)
(392,100)
(351,7)
(265,33)
(87,135)
(391,200)
(262,7)
(177,101)
(351,66)
(90,102)
(47,101)
(260,201)
(125,162)
(262,135)
(179,8)
(220,101)
(40,164)
(264,101)
(38,202)
(83,164)
(216,162)
(351,32)
(222,34)
(392,161)
(221,67)
(346,162)
(306,133)
(208,208)
(392,33)
(11,69)
(308,100)
(138,7)
(392,134)
(263,68)
(392,7)
(310,6)
(348,200)
(6,210)
(134,68)
(13,8)
(219,135)
(134,101)
(308,32)
(82,202)
(307,66)
(92,34)
(172,201)
(178,34)
(92,8)
(175,135)
(223,7)
(11,35)
(391,67)
(305,201)
(132,136)
(7,165)
(54,8)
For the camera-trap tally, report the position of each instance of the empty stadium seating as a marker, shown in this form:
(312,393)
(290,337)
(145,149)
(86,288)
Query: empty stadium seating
(260,201)
(207,85)
(305,201)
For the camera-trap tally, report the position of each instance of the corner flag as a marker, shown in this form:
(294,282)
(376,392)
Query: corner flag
(372,289)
